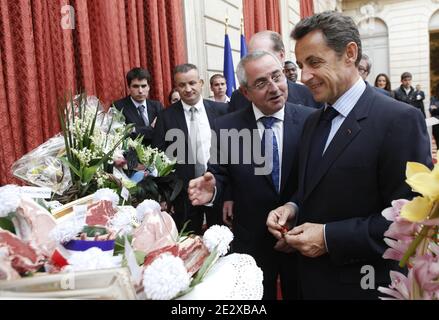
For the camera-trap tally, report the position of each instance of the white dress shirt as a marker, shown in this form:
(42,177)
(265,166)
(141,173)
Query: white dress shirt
(203,126)
(344,106)
(142,103)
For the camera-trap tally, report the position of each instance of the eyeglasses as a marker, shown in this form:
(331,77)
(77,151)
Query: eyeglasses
(362,69)
(262,84)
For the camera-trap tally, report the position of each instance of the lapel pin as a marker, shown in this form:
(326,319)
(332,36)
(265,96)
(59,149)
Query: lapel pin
(349,131)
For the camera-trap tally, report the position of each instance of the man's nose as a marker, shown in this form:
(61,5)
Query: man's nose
(306,75)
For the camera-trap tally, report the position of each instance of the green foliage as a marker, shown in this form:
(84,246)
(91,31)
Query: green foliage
(6,224)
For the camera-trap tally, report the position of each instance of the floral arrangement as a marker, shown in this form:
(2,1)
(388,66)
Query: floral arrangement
(146,172)
(95,152)
(90,141)
(413,237)
(104,235)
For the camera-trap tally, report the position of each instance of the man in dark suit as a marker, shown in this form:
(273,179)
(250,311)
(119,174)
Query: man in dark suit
(136,107)
(186,125)
(256,191)
(271,41)
(353,156)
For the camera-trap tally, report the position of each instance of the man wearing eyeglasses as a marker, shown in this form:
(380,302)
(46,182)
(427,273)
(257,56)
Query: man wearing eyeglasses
(271,41)
(136,107)
(275,126)
(364,68)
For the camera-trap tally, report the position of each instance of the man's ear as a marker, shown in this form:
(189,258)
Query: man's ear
(244,91)
(202,82)
(282,57)
(351,52)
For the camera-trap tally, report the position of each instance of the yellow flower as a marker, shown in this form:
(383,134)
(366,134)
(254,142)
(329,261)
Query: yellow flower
(417,210)
(422,180)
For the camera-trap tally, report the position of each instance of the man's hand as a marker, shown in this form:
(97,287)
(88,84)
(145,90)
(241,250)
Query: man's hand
(228,212)
(283,246)
(279,219)
(308,238)
(201,189)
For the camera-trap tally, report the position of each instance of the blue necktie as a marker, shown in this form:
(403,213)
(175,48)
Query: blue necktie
(318,141)
(268,124)
(143,115)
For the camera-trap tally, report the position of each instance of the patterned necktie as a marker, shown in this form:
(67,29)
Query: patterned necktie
(318,141)
(143,115)
(195,143)
(268,123)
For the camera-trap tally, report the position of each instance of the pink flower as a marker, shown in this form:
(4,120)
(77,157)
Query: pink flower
(393,212)
(399,288)
(396,249)
(426,273)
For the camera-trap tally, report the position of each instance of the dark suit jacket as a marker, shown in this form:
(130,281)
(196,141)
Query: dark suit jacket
(254,195)
(131,114)
(362,171)
(297,94)
(173,118)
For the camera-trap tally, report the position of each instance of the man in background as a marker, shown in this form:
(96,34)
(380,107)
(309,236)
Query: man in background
(218,86)
(364,68)
(136,107)
(192,118)
(290,70)
(271,41)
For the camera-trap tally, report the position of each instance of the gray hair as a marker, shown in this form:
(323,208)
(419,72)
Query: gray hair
(255,55)
(338,31)
(275,38)
(366,58)
(184,68)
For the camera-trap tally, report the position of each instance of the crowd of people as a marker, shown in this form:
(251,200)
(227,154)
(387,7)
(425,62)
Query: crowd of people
(336,148)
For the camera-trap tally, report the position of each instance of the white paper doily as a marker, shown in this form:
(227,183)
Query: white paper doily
(234,277)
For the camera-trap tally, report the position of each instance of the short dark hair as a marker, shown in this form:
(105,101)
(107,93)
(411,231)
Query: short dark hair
(289,62)
(138,73)
(406,75)
(338,31)
(183,68)
(216,76)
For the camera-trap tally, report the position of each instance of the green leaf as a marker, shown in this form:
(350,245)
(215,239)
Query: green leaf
(88,173)
(140,257)
(208,263)
(6,224)
(71,166)
(93,231)
(119,244)
(183,233)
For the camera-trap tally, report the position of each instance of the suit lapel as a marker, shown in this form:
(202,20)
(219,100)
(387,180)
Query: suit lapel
(132,112)
(344,136)
(210,111)
(306,142)
(347,132)
(181,119)
(150,108)
(290,136)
